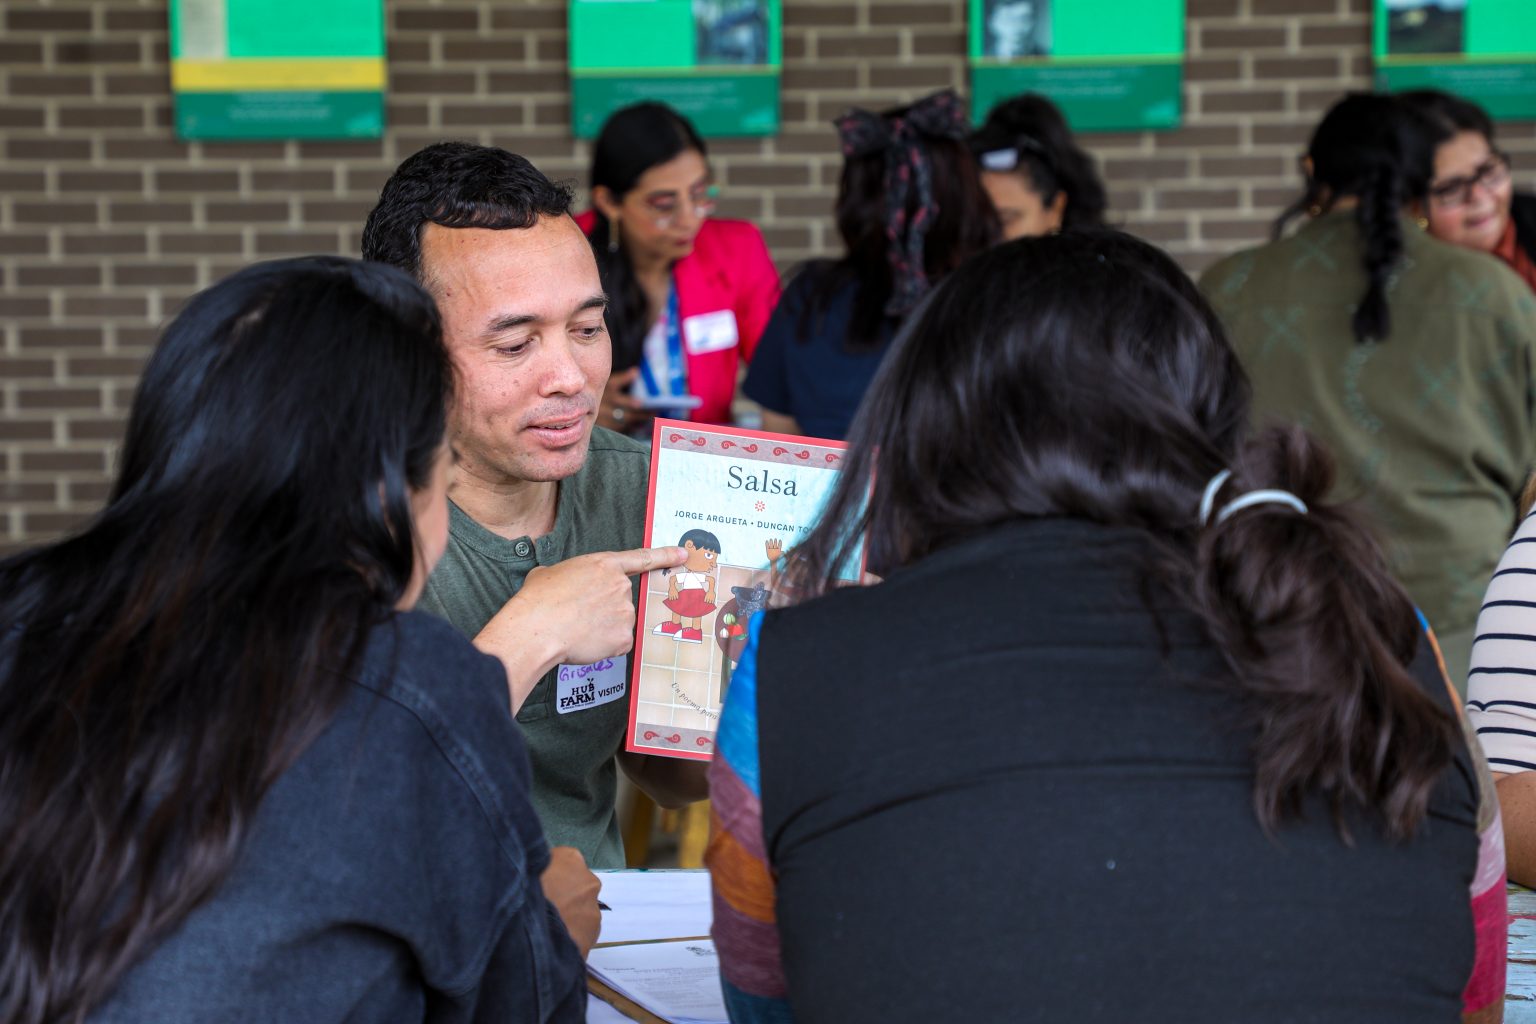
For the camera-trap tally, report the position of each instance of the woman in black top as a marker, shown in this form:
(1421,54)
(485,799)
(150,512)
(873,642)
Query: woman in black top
(239,779)
(1137,728)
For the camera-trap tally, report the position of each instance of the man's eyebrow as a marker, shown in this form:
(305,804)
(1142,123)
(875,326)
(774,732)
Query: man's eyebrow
(512,321)
(509,322)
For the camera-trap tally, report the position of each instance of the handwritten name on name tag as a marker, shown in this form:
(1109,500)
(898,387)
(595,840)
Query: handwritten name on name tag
(579,687)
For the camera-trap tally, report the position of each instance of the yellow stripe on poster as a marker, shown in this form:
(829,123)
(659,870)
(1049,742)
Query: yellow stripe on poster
(278,74)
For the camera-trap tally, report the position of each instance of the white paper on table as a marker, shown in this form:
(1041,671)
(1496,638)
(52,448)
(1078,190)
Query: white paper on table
(654,905)
(677,981)
(599,1012)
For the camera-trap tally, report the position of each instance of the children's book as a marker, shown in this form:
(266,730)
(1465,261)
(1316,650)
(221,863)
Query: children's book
(736,500)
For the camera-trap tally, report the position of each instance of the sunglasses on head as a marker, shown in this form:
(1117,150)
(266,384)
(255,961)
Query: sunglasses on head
(1008,159)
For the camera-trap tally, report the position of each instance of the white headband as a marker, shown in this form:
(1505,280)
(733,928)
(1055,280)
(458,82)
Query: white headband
(1266,497)
(1000,159)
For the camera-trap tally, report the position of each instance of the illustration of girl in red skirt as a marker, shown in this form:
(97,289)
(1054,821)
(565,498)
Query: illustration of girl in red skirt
(691,592)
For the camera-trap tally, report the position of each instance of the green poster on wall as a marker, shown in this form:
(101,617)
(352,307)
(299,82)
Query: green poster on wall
(1111,65)
(1484,50)
(278,69)
(715,61)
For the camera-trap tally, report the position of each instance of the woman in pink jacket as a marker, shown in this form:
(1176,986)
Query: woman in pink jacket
(689,295)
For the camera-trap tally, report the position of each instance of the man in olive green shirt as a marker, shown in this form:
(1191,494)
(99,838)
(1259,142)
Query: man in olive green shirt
(1432,426)
(546,514)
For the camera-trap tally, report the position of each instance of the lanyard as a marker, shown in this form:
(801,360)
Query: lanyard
(677,368)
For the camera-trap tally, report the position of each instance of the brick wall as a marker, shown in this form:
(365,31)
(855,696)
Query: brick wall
(107,223)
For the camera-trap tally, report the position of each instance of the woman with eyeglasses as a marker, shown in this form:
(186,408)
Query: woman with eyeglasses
(910,209)
(689,294)
(1037,176)
(1412,358)
(1472,200)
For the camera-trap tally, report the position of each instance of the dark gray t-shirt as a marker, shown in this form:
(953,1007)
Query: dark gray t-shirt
(572,732)
(391,874)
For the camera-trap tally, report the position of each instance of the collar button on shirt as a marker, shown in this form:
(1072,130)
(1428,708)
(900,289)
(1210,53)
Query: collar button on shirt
(600,508)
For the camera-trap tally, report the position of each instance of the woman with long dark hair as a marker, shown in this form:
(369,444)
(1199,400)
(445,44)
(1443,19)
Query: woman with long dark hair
(1472,199)
(1038,177)
(1138,725)
(240,780)
(910,209)
(1412,359)
(689,292)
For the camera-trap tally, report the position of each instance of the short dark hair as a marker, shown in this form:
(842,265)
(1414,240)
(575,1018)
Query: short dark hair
(701,539)
(457,185)
(1451,111)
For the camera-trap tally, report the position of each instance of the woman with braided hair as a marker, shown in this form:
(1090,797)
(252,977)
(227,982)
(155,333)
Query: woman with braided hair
(1411,358)
(910,209)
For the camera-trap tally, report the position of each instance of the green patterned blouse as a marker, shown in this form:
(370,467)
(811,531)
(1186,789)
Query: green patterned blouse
(1432,427)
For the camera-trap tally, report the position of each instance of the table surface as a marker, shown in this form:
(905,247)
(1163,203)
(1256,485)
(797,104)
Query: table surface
(1520,994)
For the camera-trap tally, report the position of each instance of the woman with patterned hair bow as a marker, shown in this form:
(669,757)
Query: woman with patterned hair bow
(910,209)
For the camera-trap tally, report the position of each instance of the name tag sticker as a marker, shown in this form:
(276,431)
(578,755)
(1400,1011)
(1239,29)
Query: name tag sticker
(710,332)
(579,687)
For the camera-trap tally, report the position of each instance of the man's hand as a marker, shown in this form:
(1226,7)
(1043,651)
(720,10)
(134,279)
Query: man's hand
(616,398)
(572,890)
(575,612)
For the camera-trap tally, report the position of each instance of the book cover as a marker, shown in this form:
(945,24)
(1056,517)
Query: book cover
(737,500)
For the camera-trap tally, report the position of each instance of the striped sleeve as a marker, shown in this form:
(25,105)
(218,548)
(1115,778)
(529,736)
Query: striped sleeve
(1501,686)
(745,929)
